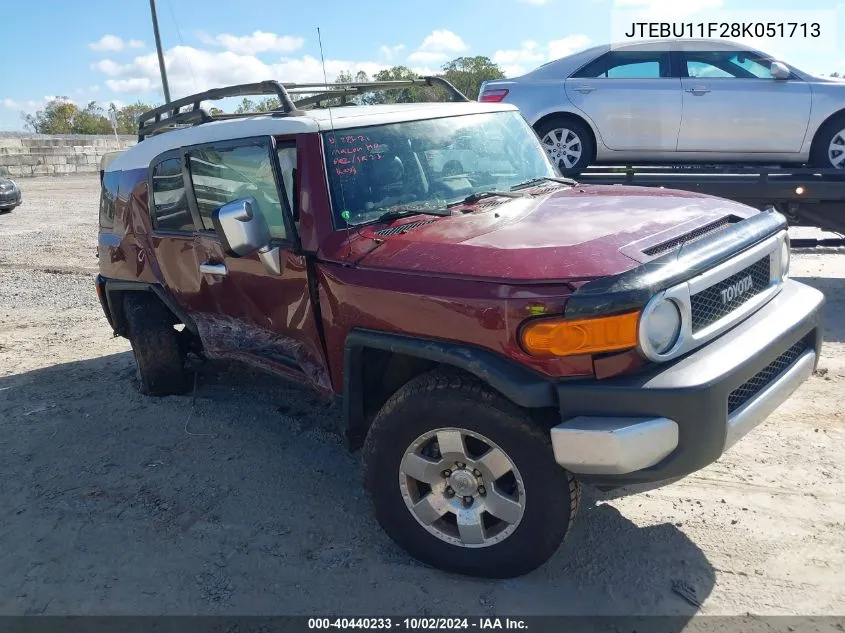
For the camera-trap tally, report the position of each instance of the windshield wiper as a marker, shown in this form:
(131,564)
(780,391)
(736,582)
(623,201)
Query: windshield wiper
(394,214)
(480,195)
(534,181)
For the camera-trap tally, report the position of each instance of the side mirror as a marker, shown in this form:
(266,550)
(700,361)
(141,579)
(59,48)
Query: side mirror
(241,227)
(780,70)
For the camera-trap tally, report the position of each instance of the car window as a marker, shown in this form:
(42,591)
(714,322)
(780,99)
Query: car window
(223,174)
(287,167)
(170,204)
(727,64)
(627,65)
(428,164)
(108,197)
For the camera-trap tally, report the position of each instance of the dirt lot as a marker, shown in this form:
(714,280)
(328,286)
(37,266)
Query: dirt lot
(246,501)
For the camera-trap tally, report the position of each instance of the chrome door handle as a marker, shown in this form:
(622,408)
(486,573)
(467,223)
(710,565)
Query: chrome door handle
(214,269)
(698,90)
(584,89)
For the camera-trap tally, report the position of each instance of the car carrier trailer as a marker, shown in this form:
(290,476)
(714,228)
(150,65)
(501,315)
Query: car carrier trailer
(806,196)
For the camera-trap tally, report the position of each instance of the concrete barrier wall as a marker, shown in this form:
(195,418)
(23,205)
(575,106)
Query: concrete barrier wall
(27,155)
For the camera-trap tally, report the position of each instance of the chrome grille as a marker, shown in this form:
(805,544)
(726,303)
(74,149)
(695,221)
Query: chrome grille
(712,304)
(761,380)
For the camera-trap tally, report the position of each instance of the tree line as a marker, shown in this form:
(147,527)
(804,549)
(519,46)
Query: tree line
(62,116)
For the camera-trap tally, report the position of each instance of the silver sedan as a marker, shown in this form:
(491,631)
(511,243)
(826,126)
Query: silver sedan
(678,101)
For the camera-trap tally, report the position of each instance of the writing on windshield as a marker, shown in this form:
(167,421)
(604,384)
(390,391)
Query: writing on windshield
(428,164)
(347,151)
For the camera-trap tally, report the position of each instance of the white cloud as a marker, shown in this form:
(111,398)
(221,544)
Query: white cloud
(191,70)
(568,45)
(537,2)
(427,57)
(515,62)
(108,67)
(667,9)
(258,42)
(438,46)
(11,104)
(390,52)
(112,43)
(133,84)
(442,41)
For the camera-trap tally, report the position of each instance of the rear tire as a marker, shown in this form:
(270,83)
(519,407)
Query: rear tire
(155,343)
(569,144)
(829,145)
(515,521)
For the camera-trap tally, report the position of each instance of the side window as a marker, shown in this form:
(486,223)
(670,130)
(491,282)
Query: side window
(169,203)
(728,64)
(696,68)
(287,166)
(108,196)
(223,174)
(627,65)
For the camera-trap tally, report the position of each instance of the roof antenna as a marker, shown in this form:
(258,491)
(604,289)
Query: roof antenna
(345,213)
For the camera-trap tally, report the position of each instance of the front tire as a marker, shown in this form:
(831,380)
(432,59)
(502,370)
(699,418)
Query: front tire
(155,343)
(463,480)
(829,146)
(568,143)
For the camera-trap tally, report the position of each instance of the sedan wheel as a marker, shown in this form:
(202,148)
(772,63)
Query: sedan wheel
(470,497)
(836,150)
(564,147)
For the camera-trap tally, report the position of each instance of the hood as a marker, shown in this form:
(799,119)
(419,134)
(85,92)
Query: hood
(571,234)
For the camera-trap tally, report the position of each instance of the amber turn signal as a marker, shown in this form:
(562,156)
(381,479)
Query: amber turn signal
(556,337)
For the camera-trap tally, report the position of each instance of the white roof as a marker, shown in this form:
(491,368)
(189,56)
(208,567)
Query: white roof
(317,120)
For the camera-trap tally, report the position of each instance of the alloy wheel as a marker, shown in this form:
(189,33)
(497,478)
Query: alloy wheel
(462,487)
(564,147)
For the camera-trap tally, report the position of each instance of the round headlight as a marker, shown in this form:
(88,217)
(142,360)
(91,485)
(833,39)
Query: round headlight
(662,326)
(784,258)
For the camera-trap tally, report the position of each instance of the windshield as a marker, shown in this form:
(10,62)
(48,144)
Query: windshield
(427,165)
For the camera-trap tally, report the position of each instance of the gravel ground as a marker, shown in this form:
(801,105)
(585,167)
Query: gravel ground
(245,501)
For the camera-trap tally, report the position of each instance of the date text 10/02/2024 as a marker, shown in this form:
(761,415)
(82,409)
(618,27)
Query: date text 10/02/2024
(417,624)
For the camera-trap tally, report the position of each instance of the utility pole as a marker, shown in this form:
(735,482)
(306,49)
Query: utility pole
(160,54)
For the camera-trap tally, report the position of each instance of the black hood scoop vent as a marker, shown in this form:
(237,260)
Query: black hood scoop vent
(693,236)
(402,228)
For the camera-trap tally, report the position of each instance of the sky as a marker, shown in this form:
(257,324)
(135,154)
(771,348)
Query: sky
(103,50)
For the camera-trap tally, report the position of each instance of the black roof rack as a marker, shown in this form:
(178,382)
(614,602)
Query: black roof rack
(172,115)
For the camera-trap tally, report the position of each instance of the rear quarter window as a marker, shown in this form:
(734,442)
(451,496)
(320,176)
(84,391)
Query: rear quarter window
(108,198)
(169,206)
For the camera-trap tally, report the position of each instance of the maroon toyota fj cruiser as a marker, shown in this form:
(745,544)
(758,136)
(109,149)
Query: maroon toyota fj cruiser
(494,334)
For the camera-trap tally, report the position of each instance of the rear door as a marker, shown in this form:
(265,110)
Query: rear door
(632,97)
(243,309)
(732,104)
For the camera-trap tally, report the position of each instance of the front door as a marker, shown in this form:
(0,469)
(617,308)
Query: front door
(631,97)
(732,104)
(242,308)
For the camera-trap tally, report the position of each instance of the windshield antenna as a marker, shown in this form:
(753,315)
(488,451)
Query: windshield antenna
(345,212)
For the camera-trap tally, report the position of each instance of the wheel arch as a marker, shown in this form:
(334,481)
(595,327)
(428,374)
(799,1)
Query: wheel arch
(814,144)
(570,116)
(376,364)
(112,293)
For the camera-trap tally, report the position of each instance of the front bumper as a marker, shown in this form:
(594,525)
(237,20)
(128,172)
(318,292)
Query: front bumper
(676,418)
(10,199)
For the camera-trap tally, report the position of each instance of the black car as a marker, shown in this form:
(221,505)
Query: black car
(10,195)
